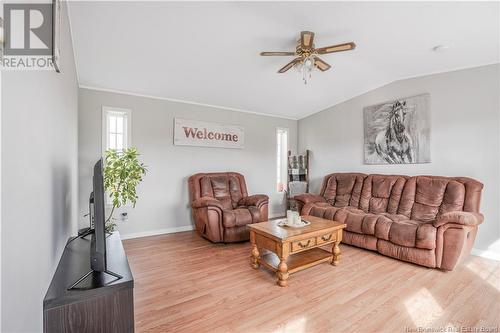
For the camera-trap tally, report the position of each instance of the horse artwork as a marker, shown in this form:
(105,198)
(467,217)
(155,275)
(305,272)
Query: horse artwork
(398,132)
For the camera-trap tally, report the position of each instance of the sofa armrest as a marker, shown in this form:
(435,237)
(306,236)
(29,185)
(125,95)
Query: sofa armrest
(256,200)
(309,198)
(206,202)
(459,217)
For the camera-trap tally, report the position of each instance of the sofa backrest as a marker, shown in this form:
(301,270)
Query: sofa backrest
(421,198)
(381,193)
(426,197)
(342,189)
(227,187)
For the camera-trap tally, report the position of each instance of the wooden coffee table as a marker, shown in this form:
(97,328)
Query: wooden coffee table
(287,250)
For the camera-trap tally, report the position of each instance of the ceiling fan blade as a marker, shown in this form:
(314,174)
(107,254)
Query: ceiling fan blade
(277,53)
(306,39)
(289,65)
(336,48)
(323,66)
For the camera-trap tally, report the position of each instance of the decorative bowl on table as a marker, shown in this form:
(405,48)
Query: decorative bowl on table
(300,224)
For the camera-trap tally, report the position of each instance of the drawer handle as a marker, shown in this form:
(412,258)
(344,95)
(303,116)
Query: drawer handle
(326,239)
(305,245)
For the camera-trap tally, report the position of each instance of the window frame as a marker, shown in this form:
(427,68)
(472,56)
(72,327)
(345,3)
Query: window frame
(284,168)
(106,110)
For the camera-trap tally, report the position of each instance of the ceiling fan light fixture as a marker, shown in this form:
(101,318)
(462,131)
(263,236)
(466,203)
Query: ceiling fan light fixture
(307,68)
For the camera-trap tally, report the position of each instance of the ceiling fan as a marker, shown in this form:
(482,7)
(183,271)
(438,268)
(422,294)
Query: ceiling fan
(307,55)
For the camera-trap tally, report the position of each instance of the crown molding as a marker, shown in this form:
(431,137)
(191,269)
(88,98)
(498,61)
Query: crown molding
(183,101)
(397,80)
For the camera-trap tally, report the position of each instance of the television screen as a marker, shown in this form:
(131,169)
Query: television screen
(98,242)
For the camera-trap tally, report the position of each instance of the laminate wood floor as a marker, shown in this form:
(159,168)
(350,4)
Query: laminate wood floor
(184,283)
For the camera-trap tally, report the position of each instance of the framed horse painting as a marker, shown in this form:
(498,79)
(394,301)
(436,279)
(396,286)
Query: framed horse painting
(398,132)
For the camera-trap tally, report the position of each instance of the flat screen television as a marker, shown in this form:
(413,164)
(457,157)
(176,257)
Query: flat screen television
(97,230)
(98,241)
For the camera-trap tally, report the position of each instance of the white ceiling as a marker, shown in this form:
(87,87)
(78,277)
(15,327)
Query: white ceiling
(209,52)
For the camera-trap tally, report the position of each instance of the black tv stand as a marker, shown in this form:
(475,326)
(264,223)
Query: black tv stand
(73,286)
(100,301)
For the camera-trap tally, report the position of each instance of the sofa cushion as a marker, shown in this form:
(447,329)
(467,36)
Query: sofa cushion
(354,222)
(396,228)
(236,217)
(360,222)
(403,233)
(410,233)
(369,223)
(426,236)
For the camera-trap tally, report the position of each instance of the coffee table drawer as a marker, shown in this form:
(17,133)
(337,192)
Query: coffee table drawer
(330,237)
(303,244)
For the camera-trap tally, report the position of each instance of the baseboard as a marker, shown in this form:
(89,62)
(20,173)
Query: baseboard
(170,230)
(486,254)
(157,232)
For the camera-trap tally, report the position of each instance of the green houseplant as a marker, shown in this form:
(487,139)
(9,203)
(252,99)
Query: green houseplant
(122,173)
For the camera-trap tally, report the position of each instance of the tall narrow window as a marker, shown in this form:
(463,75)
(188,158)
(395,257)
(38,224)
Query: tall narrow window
(281,158)
(116,128)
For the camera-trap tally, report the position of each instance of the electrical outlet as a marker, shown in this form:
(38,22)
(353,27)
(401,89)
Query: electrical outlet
(124,217)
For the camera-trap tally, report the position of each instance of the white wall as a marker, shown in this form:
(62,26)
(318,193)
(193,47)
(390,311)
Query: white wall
(464,136)
(163,203)
(39,184)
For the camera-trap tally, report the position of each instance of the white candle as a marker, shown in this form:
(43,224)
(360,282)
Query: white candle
(296,218)
(289,217)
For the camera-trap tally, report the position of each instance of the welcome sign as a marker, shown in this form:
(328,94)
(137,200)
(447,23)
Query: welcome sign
(205,134)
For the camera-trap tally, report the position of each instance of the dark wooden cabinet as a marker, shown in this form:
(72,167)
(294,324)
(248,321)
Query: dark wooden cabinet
(101,303)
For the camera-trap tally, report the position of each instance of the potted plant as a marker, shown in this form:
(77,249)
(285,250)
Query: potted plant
(122,173)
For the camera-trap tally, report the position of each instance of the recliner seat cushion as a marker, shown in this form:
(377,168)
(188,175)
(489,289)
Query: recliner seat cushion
(236,217)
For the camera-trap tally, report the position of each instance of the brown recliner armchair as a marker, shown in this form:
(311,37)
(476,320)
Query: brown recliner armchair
(222,207)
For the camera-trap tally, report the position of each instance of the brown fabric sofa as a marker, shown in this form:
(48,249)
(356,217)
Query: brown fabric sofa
(222,208)
(427,220)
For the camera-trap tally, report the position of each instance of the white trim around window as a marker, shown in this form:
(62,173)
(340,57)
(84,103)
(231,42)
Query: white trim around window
(116,128)
(282,144)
